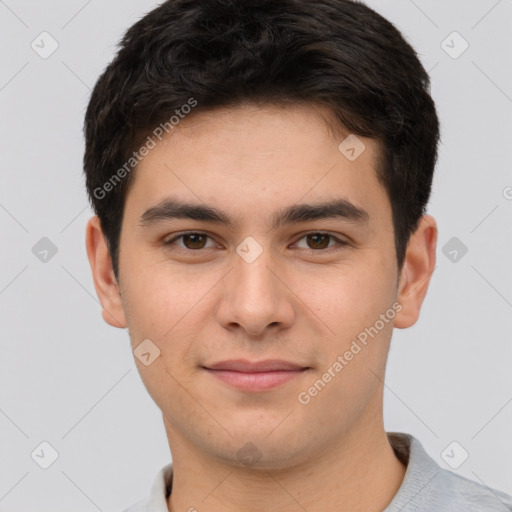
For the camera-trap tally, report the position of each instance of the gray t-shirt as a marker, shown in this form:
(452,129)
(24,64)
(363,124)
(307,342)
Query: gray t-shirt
(426,486)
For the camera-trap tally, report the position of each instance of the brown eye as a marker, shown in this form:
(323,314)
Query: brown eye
(318,240)
(196,241)
(190,241)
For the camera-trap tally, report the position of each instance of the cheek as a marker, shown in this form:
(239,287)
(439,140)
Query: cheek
(159,298)
(165,315)
(168,309)
(349,298)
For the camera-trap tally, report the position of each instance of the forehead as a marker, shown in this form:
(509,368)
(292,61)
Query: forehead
(255,159)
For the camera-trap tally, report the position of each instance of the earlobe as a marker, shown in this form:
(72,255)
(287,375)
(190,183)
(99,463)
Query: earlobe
(105,281)
(419,264)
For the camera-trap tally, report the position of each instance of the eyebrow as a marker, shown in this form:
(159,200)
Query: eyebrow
(175,209)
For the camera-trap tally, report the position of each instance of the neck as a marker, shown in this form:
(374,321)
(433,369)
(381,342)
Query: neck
(360,474)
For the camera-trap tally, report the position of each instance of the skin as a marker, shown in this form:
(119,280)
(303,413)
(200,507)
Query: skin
(301,300)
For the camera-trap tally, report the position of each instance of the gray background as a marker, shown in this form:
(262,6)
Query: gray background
(69,379)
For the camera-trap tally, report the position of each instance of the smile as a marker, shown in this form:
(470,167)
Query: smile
(255,377)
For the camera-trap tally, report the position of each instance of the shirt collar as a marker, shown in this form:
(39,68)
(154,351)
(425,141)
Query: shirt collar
(160,490)
(421,469)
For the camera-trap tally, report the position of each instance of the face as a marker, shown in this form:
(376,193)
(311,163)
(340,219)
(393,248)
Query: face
(285,257)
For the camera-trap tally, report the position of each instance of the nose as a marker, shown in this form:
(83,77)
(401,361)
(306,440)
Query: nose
(255,297)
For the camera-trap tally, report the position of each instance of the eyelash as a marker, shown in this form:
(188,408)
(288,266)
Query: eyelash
(340,243)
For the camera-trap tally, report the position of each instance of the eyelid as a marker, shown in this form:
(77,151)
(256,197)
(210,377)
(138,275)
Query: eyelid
(340,242)
(184,233)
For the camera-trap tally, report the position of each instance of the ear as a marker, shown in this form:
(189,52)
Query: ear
(103,275)
(419,264)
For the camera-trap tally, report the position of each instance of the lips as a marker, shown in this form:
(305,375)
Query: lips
(255,376)
(242,365)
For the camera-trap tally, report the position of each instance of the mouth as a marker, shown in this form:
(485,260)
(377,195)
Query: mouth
(255,376)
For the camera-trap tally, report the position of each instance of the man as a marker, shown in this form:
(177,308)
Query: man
(260,173)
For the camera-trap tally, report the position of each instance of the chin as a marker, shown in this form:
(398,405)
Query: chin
(256,449)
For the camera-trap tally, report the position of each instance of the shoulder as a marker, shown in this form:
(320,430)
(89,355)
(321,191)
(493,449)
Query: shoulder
(459,493)
(427,486)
